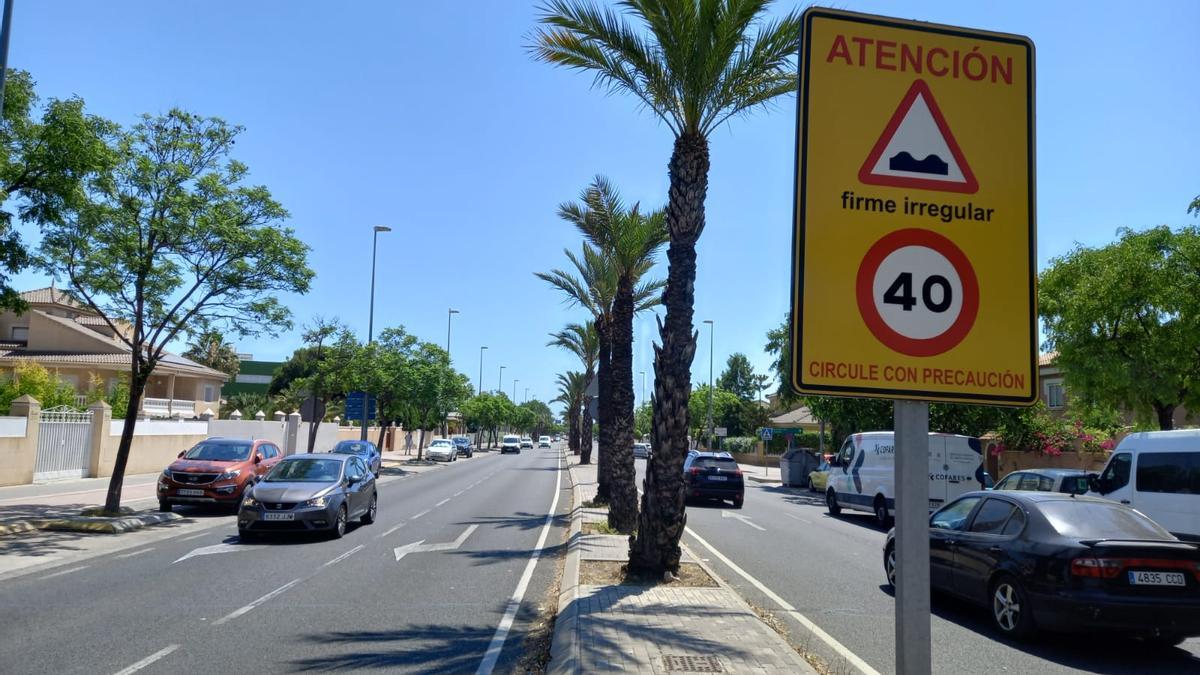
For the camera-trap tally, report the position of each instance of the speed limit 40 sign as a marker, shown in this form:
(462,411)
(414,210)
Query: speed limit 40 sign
(914,260)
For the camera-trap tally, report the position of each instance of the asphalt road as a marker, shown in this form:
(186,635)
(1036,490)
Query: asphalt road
(207,603)
(831,571)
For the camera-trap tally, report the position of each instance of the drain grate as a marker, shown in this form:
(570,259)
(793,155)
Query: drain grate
(676,663)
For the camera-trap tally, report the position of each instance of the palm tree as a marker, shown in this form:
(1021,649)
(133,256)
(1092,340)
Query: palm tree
(630,240)
(583,342)
(571,386)
(694,64)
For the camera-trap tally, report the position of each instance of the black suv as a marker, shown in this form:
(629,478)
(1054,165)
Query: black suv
(463,445)
(713,475)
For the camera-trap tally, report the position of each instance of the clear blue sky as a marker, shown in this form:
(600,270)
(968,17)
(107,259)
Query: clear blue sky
(431,118)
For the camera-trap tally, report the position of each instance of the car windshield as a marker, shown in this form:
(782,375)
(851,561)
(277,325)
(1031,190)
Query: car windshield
(512,439)
(440,444)
(220,452)
(306,470)
(1074,485)
(352,448)
(1097,520)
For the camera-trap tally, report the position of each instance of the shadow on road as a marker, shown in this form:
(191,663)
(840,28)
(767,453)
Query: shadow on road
(428,648)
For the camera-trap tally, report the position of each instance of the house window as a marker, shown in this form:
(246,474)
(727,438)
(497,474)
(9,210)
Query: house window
(210,393)
(20,333)
(1054,395)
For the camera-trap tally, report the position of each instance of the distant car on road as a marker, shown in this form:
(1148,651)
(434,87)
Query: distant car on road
(544,442)
(216,471)
(443,450)
(526,442)
(641,451)
(818,478)
(463,443)
(509,444)
(303,493)
(364,449)
(1063,562)
(713,475)
(1068,481)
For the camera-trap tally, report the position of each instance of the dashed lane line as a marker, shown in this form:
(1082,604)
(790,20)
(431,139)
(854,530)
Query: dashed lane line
(137,552)
(148,660)
(59,574)
(242,610)
(444,501)
(343,556)
(393,529)
(423,513)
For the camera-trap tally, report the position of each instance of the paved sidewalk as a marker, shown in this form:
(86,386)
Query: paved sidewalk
(659,629)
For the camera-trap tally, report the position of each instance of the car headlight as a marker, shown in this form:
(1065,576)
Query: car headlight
(317,502)
(249,501)
(230,474)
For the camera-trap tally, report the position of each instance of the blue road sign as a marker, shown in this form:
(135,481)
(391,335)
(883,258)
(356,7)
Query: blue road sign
(766,433)
(354,406)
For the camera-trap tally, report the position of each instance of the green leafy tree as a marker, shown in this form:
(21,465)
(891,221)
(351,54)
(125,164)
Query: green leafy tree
(642,420)
(739,378)
(779,345)
(50,154)
(209,348)
(543,418)
(1125,320)
(248,403)
(726,407)
(32,379)
(335,351)
(694,64)
(571,385)
(186,242)
(302,363)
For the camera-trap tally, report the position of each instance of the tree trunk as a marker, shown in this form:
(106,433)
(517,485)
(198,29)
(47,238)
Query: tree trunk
(585,425)
(137,388)
(319,404)
(421,444)
(623,511)
(1166,416)
(603,410)
(573,428)
(383,427)
(655,549)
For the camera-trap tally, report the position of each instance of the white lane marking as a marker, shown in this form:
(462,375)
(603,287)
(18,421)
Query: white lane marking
(242,610)
(460,492)
(343,556)
(744,519)
(806,522)
(828,639)
(422,547)
(493,651)
(440,503)
(138,552)
(59,574)
(194,536)
(218,548)
(148,660)
(391,530)
(425,512)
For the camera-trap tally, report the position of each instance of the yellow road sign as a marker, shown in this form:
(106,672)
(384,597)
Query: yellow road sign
(914,252)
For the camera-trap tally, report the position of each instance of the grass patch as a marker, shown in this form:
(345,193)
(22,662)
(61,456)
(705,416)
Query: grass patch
(616,573)
(598,527)
(593,504)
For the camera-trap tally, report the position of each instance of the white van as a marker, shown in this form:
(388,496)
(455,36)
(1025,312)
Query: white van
(862,475)
(1157,473)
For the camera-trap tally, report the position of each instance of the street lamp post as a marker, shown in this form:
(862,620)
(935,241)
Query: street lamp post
(711,331)
(371,323)
(449,362)
(643,373)
(500,382)
(481,369)
(514,398)
(526,397)
(5,31)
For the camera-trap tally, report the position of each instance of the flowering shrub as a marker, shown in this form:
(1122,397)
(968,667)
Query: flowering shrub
(1035,429)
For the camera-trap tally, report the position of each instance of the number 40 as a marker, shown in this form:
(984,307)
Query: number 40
(901,293)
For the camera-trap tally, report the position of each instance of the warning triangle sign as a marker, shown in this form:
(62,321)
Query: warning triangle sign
(917,149)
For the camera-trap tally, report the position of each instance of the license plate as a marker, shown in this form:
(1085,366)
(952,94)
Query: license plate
(718,478)
(1156,579)
(279,516)
(183,492)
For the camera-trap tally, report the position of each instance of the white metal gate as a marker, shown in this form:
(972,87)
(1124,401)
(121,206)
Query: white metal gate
(64,444)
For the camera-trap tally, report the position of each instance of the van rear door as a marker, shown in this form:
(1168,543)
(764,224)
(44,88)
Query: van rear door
(937,472)
(1167,489)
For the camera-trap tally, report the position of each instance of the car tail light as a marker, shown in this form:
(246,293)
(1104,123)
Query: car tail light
(1099,568)
(695,471)
(737,472)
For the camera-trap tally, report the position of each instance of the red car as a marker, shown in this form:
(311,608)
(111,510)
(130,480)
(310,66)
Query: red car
(216,471)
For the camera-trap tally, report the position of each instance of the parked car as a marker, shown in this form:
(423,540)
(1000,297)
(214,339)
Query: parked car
(1062,562)
(818,479)
(216,471)
(526,442)
(364,449)
(509,444)
(303,493)
(463,444)
(442,450)
(713,475)
(641,451)
(1068,481)
(544,442)
(863,472)
(1157,473)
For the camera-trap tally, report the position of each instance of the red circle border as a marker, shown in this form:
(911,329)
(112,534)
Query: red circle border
(864,286)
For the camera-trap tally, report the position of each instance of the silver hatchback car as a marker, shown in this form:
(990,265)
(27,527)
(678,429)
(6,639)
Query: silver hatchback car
(305,493)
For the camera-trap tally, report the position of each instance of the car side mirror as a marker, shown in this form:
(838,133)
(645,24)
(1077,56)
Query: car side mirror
(181,454)
(1094,483)
(351,480)
(258,459)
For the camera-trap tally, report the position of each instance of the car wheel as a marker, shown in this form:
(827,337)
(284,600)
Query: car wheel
(889,564)
(369,516)
(339,523)
(165,507)
(881,512)
(246,536)
(831,502)
(1011,613)
(737,502)
(1165,640)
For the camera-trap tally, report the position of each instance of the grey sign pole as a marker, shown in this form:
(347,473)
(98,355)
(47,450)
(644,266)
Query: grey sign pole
(912,537)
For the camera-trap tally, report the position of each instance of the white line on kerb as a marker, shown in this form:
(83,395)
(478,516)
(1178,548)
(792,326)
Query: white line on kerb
(238,612)
(343,556)
(59,574)
(440,503)
(828,639)
(425,512)
(148,660)
(514,603)
(139,552)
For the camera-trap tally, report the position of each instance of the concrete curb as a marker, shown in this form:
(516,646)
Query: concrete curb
(766,481)
(16,527)
(564,644)
(105,525)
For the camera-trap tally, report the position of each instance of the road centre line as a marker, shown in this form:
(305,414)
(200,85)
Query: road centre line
(423,513)
(242,610)
(391,530)
(456,494)
(148,660)
(194,536)
(345,555)
(806,522)
(138,552)
(441,502)
(497,644)
(828,639)
(59,574)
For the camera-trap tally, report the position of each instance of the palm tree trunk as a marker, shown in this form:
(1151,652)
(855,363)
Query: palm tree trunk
(585,432)
(655,549)
(623,511)
(604,419)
